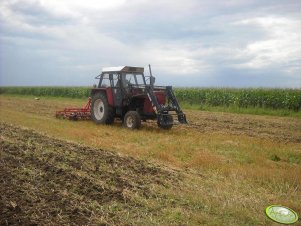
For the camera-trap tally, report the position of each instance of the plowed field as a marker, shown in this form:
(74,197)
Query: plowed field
(221,169)
(41,176)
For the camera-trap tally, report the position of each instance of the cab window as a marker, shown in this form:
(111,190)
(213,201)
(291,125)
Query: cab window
(105,81)
(140,80)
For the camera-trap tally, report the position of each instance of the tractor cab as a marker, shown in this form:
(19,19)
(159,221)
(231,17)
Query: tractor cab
(124,82)
(126,93)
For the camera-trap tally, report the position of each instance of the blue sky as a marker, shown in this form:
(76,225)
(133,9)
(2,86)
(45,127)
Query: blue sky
(241,43)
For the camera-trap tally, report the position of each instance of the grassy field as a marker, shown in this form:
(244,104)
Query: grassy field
(222,169)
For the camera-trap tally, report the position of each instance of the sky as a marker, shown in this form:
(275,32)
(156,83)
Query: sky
(191,43)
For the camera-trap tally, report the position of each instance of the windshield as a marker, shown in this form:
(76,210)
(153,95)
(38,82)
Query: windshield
(133,79)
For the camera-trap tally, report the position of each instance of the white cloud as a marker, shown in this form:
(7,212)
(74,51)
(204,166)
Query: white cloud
(282,44)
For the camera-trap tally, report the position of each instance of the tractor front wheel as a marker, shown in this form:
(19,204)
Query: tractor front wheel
(132,120)
(166,122)
(101,111)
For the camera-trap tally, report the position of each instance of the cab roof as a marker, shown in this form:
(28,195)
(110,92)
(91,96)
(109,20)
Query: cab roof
(125,69)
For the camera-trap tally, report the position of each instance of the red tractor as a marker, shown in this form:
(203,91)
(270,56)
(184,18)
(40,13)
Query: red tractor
(125,93)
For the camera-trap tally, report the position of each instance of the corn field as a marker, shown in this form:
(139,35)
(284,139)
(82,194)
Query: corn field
(72,92)
(249,97)
(289,99)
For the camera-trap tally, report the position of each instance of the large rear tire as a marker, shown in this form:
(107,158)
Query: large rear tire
(132,120)
(101,111)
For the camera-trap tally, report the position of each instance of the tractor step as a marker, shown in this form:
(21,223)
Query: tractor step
(76,113)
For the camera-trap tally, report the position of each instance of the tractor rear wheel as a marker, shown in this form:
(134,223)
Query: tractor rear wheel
(101,111)
(132,120)
(167,122)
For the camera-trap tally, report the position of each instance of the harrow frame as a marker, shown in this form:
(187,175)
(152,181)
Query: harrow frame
(76,113)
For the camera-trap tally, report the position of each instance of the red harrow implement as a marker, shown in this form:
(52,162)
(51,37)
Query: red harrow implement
(76,113)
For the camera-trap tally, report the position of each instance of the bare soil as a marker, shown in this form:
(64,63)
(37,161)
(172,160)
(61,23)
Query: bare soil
(50,181)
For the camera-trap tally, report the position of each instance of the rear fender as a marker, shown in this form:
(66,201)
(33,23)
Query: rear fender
(107,91)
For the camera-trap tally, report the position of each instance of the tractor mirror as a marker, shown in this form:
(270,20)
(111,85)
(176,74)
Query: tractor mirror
(152,80)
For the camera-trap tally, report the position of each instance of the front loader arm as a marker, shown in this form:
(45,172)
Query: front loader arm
(175,105)
(163,110)
(153,99)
